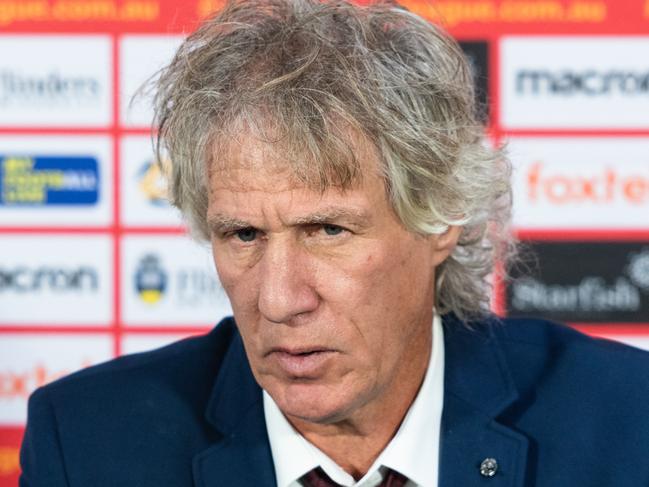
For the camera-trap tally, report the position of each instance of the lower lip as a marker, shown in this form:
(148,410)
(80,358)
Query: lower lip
(302,366)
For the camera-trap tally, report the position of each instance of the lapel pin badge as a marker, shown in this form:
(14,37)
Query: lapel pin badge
(488,467)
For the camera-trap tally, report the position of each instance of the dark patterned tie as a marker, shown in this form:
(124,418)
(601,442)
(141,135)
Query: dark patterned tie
(318,478)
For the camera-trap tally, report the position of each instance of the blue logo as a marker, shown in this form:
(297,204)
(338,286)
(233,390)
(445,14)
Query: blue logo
(150,279)
(48,181)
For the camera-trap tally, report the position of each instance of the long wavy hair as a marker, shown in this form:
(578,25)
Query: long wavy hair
(308,76)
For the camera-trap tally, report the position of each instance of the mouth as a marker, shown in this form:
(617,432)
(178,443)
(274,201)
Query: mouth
(301,363)
(299,350)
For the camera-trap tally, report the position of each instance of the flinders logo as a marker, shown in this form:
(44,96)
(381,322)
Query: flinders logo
(49,88)
(150,279)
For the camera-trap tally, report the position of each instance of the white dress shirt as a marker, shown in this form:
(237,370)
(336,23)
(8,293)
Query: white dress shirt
(413,451)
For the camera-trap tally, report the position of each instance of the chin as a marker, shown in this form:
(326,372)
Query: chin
(311,403)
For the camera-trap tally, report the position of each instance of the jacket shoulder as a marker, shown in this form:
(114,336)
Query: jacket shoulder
(578,391)
(199,356)
(542,340)
(151,402)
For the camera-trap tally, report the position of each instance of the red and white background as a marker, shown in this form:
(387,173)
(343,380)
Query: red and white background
(95,264)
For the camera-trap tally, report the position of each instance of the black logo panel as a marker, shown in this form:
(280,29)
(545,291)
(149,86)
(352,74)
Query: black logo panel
(478,54)
(591,282)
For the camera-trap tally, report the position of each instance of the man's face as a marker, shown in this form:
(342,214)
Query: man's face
(333,297)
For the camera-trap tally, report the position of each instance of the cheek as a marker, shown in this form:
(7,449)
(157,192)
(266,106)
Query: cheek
(382,278)
(243,298)
(224,271)
(358,299)
(383,298)
(347,283)
(239,282)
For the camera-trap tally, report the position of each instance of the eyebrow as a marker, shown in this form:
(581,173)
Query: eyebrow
(221,223)
(335,214)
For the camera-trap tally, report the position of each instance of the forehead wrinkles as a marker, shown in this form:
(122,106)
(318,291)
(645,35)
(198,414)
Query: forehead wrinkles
(295,158)
(235,162)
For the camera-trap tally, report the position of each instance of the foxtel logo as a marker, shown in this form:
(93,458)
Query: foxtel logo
(9,461)
(605,187)
(21,384)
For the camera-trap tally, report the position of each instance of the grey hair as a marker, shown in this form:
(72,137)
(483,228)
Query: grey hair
(305,75)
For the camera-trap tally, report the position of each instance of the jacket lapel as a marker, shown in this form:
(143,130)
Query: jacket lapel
(242,456)
(477,388)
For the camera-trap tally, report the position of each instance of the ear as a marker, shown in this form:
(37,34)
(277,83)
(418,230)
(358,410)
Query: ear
(443,244)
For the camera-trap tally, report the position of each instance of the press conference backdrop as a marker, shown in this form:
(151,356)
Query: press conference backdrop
(94,263)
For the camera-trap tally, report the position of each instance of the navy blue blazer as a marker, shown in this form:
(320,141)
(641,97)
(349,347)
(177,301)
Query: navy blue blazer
(553,407)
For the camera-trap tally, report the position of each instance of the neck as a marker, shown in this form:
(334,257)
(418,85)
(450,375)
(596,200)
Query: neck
(356,441)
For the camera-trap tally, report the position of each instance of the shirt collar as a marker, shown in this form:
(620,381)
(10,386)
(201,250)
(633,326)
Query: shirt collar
(413,451)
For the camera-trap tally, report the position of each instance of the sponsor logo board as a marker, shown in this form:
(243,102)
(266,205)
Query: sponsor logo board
(580,182)
(10,440)
(134,343)
(145,201)
(31,361)
(590,282)
(55,181)
(142,56)
(170,280)
(568,82)
(55,81)
(55,280)
(48,181)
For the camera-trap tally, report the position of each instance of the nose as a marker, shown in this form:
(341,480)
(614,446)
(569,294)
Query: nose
(285,288)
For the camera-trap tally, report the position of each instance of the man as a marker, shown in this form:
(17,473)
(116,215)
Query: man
(331,156)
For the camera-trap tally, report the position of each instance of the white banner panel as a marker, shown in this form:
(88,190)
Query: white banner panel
(133,343)
(638,341)
(57,81)
(580,183)
(574,82)
(56,279)
(30,361)
(56,181)
(144,201)
(170,280)
(141,57)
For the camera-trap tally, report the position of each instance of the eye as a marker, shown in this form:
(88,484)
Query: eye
(246,234)
(332,230)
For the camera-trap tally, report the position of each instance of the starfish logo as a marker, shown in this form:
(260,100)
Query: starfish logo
(638,269)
